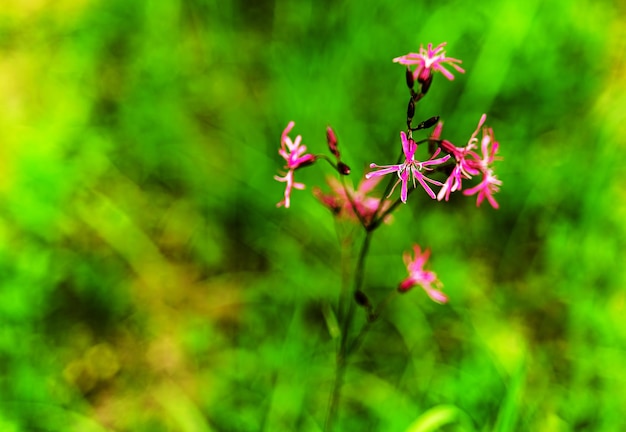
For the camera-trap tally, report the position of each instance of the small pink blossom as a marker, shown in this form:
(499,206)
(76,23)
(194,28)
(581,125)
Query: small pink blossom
(418,276)
(293,151)
(339,203)
(410,169)
(489,184)
(485,189)
(428,60)
(466,160)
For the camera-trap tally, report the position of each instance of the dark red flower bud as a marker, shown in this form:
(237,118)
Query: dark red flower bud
(332,141)
(343,168)
(410,79)
(306,160)
(361,299)
(405,285)
(425,82)
(427,123)
(448,147)
(410,111)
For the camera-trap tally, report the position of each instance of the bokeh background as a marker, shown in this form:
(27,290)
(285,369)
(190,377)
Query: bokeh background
(149,283)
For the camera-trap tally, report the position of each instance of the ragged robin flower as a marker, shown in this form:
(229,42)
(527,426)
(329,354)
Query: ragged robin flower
(342,204)
(293,151)
(466,160)
(489,184)
(469,164)
(429,60)
(410,169)
(419,277)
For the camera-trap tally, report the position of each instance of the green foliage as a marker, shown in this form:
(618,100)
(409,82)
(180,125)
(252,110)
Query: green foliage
(148,283)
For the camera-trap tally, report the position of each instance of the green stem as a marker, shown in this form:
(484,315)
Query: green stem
(345,332)
(367,325)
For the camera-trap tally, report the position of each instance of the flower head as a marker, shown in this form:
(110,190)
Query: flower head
(293,151)
(489,183)
(418,276)
(429,60)
(466,160)
(410,169)
(341,203)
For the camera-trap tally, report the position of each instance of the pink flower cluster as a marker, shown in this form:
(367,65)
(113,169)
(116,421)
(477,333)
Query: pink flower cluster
(469,164)
(472,161)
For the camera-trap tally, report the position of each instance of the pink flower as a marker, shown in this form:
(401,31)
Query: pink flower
(410,169)
(294,154)
(339,203)
(466,160)
(293,151)
(489,183)
(428,60)
(485,189)
(418,276)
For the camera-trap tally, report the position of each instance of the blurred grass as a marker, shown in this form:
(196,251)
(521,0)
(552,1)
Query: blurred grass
(149,283)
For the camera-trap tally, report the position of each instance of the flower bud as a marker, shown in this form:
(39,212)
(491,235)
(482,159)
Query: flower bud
(343,168)
(306,160)
(448,147)
(410,111)
(425,81)
(361,299)
(410,79)
(332,141)
(431,122)
(405,285)
(427,123)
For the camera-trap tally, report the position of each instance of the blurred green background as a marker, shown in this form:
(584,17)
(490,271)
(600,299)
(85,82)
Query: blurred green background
(149,283)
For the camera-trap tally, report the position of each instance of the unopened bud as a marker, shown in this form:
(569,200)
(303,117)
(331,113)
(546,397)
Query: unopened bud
(343,168)
(361,299)
(410,79)
(425,82)
(427,123)
(448,147)
(332,141)
(405,285)
(410,111)
(305,161)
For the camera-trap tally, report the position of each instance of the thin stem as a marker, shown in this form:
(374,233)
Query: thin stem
(346,249)
(327,159)
(367,325)
(345,331)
